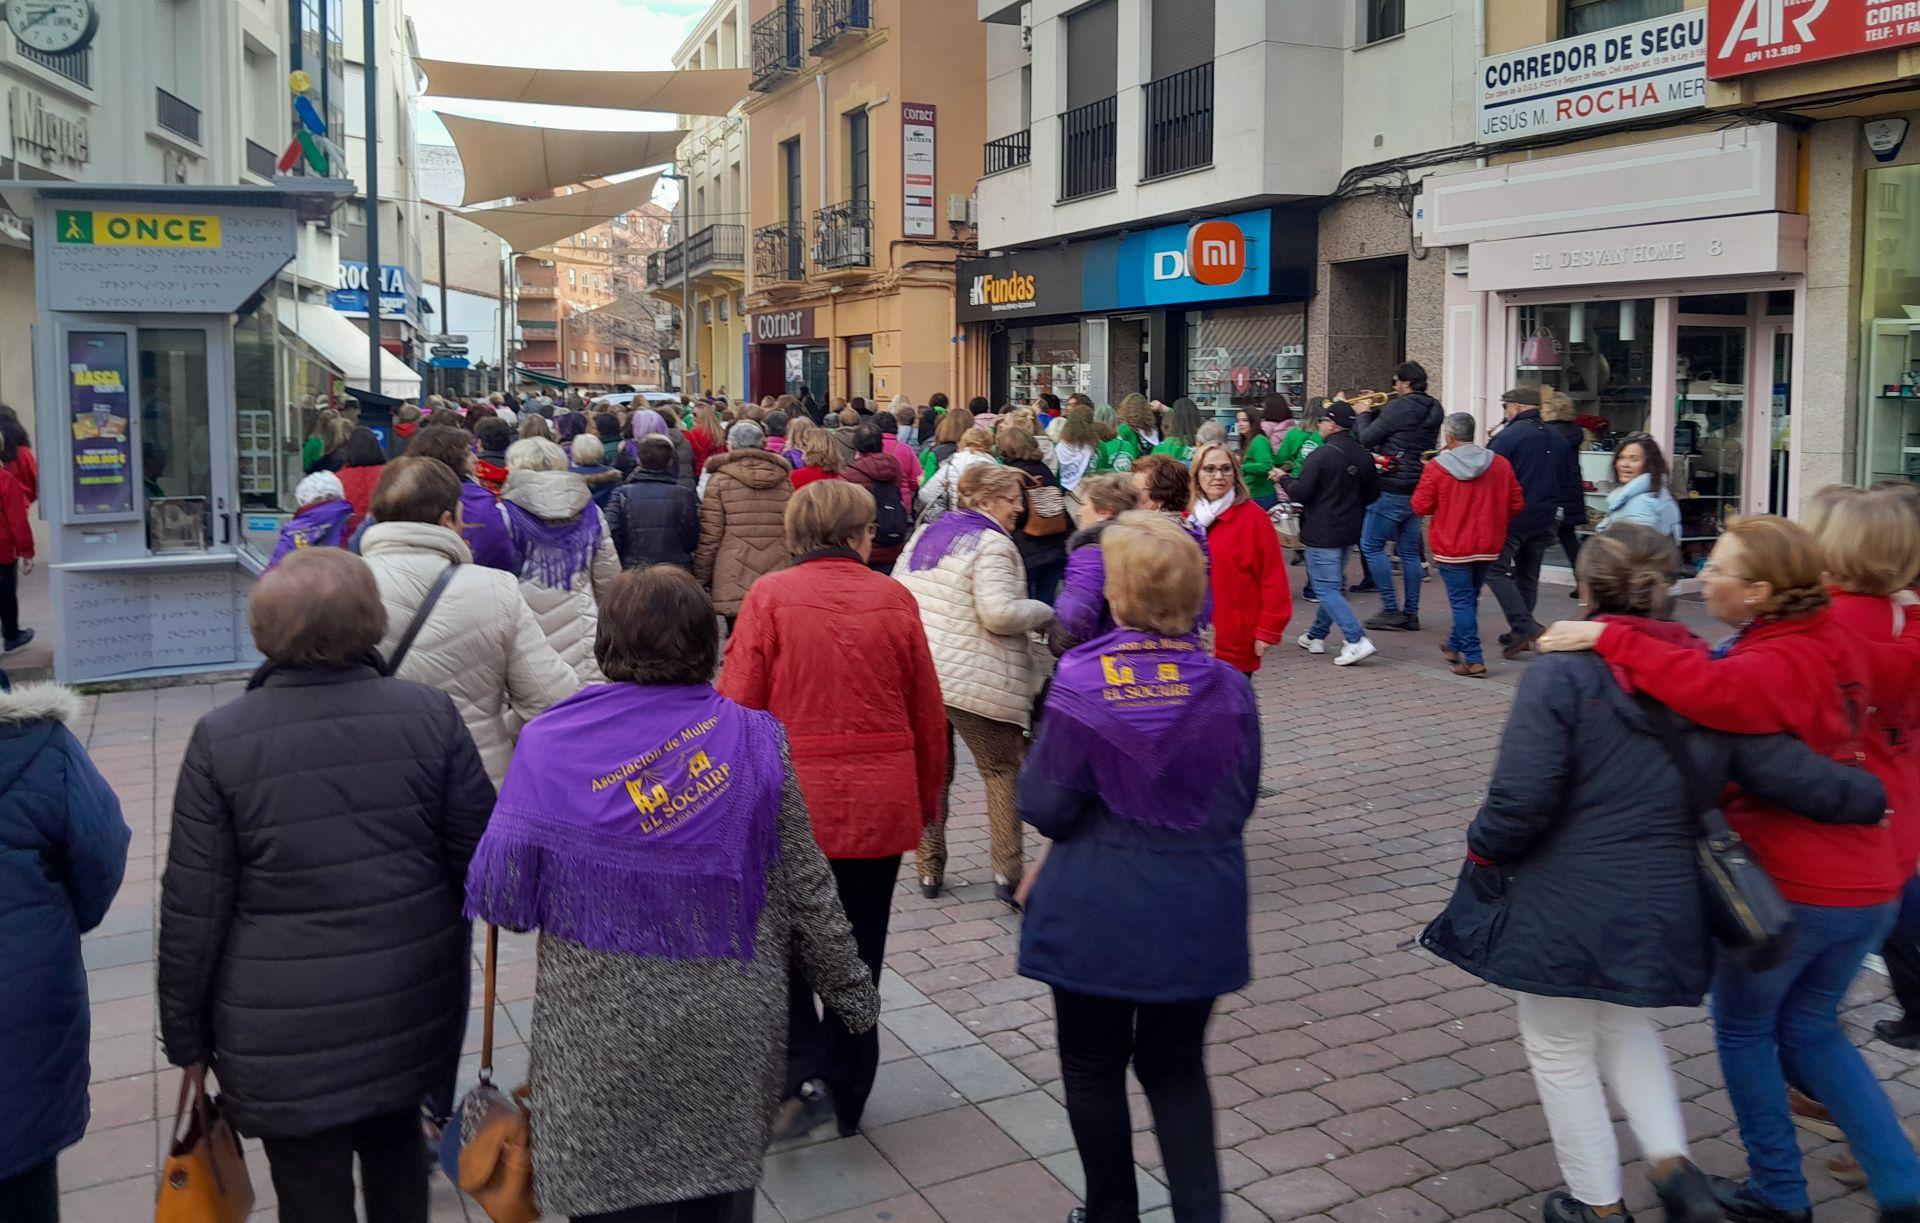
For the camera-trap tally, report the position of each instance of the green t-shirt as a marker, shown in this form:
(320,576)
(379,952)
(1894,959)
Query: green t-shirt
(1175,449)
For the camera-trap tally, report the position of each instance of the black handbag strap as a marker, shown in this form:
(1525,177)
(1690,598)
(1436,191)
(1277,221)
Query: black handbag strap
(420,618)
(1705,807)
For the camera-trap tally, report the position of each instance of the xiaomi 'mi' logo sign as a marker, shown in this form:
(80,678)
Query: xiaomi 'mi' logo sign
(1216,254)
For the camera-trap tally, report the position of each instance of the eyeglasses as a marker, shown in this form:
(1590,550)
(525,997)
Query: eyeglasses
(1214,469)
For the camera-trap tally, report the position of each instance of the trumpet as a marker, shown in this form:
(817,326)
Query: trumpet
(1372,401)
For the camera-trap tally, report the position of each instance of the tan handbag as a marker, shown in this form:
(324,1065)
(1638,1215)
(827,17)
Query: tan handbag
(205,1178)
(496,1130)
(1046,509)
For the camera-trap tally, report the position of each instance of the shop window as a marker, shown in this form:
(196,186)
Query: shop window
(1586,16)
(1236,357)
(1045,360)
(258,452)
(175,457)
(1890,306)
(860,367)
(1709,429)
(1731,304)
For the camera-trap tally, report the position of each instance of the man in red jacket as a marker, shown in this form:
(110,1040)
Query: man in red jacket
(1473,495)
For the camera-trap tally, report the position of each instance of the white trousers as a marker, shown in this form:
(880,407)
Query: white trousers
(1571,1043)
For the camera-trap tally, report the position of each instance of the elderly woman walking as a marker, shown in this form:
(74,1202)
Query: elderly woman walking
(655,834)
(311,946)
(743,533)
(965,572)
(566,550)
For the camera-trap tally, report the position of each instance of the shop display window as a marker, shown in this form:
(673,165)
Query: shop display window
(1890,306)
(1237,357)
(1045,360)
(1600,355)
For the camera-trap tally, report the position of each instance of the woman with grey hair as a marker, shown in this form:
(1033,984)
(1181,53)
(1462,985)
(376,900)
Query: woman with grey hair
(566,552)
(743,505)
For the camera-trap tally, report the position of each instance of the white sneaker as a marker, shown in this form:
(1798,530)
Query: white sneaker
(1354,651)
(1312,645)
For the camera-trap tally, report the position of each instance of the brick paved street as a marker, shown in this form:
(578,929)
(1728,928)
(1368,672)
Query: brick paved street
(1356,1078)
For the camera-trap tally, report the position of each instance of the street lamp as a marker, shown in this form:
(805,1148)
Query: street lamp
(689,362)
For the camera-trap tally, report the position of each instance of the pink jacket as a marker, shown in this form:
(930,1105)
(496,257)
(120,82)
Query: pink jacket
(909,465)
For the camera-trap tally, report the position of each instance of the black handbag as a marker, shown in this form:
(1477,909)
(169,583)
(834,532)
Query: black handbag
(1745,912)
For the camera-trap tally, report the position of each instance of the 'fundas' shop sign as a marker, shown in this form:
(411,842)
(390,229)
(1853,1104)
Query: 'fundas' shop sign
(1611,76)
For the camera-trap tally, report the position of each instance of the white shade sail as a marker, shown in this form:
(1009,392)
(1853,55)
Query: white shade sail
(691,91)
(537,223)
(342,345)
(508,159)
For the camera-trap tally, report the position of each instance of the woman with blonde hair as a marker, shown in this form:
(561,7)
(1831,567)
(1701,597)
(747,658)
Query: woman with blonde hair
(534,425)
(565,547)
(820,459)
(946,440)
(965,573)
(799,429)
(1792,665)
(939,494)
(1138,427)
(1251,599)
(707,436)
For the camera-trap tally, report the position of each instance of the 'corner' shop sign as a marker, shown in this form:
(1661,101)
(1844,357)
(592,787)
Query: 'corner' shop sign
(161,229)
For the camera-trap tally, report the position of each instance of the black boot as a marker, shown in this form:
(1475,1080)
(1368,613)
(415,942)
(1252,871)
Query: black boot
(1562,1207)
(1900,1214)
(1901,1033)
(1738,1203)
(1687,1197)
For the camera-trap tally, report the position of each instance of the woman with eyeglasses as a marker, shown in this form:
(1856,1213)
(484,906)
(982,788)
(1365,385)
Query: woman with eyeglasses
(1640,491)
(1248,574)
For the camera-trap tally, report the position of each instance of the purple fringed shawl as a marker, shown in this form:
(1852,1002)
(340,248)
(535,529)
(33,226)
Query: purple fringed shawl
(1147,717)
(947,535)
(636,820)
(553,553)
(317,526)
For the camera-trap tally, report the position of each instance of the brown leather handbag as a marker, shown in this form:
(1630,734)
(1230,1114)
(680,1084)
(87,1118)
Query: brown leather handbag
(496,1130)
(205,1178)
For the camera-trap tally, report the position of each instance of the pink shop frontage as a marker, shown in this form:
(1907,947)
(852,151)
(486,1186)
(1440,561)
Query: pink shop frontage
(1659,286)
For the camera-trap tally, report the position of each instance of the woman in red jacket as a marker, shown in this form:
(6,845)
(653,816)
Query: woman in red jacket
(1251,599)
(1793,665)
(364,461)
(16,453)
(16,557)
(836,651)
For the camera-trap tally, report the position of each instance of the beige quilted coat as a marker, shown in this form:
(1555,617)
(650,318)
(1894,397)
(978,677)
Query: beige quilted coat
(743,533)
(480,645)
(570,618)
(977,615)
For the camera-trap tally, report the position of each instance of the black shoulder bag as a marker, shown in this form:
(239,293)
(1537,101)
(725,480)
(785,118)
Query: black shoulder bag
(1745,912)
(420,618)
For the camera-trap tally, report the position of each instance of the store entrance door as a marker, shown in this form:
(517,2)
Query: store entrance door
(1129,356)
(1776,346)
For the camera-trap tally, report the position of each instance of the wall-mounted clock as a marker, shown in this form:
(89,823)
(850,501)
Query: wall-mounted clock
(53,27)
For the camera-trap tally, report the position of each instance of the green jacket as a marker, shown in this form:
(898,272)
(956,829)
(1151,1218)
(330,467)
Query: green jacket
(1175,449)
(1294,450)
(1125,434)
(1112,455)
(310,453)
(1256,464)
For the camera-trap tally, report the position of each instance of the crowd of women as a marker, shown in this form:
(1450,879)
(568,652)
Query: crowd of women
(490,695)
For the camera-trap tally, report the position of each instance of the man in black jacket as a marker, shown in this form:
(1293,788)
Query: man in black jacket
(653,518)
(1336,484)
(1402,432)
(1543,461)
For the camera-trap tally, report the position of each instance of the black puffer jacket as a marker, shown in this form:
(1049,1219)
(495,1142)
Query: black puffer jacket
(311,943)
(1404,431)
(1336,484)
(1593,888)
(654,521)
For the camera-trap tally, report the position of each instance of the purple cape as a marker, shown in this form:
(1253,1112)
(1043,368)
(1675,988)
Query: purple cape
(951,532)
(552,553)
(1130,714)
(317,526)
(636,820)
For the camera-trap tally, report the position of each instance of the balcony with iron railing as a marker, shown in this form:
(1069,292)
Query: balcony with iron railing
(776,45)
(843,235)
(710,248)
(76,66)
(779,254)
(834,20)
(177,116)
(1087,135)
(1009,152)
(260,160)
(1179,127)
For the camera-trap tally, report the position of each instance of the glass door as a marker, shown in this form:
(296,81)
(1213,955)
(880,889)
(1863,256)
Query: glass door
(1776,346)
(185,457)
(1709,429)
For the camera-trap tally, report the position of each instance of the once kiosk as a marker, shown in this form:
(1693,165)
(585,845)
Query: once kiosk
(141,444)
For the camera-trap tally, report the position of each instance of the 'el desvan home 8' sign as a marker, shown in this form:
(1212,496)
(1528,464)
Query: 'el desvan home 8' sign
(197,260)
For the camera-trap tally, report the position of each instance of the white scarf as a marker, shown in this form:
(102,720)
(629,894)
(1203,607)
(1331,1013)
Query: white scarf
(1206,513)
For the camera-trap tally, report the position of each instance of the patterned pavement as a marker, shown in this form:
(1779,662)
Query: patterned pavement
(1356,1078)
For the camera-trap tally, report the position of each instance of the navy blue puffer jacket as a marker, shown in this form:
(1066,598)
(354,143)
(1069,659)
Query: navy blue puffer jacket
(63,850)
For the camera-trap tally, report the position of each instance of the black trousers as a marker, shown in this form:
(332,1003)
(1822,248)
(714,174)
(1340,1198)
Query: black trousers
(313,1176)
(10,600)
(1166,1042)
(820,1046)
(720,1208)
(1515,579)
(1570,539)
(32,1196)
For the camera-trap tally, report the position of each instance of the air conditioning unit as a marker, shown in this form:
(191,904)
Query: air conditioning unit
(957,209)
(1026,26)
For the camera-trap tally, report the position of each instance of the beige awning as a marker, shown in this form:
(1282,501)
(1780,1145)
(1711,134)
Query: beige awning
(691,91)
(502,160)
(538,223)
(344,346)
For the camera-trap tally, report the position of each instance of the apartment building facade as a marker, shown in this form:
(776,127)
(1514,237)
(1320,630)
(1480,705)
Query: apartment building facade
(583,314)
(1209,197)
(865,127)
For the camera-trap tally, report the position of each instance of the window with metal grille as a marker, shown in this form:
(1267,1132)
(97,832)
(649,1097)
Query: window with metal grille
(1385,19)
(1586,16)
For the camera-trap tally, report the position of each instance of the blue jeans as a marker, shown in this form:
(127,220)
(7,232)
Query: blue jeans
(1790,1014)
(1267,502)
(1392,518)
(1327,569)
(1463,583)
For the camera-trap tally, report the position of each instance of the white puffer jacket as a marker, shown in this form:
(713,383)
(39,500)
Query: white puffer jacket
(977,615)
(480,645)
(568,617)
(942,492)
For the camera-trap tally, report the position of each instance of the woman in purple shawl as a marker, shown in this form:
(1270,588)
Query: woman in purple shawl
(1143,774)
(566,552)
(322,520)
(653,832)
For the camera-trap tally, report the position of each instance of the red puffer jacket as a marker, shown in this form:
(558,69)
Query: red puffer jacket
(837,653)
(1816,678)
(1251,599)
(16,533)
